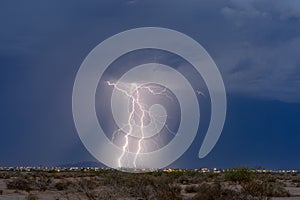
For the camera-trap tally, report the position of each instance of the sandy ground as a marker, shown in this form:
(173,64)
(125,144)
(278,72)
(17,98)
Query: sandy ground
(53,195)
(60,195)
(295,194)
(294,191)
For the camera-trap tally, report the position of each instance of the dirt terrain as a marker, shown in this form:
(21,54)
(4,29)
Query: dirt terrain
(234,184)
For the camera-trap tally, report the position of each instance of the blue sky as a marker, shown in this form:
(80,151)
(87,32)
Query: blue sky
(255,44)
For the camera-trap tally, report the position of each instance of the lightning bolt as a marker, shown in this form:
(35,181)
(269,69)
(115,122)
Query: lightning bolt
(132,91)
(125,146)
(142,127)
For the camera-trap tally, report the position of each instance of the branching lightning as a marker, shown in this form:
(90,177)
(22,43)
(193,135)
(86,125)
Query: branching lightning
(133,92)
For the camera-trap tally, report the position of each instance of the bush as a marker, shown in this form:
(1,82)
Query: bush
(239,175)
(184,180)
(4,175)
(191,189)
(215,192)
(144,186)
(32,197)
(62,185)
(87,187)
(262,189)
(42,182)
(19,184)
(296,179)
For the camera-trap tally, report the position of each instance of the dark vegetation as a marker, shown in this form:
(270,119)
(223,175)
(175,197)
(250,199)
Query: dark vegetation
(234,184)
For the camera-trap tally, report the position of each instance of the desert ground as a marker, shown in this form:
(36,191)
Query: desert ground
(234,184)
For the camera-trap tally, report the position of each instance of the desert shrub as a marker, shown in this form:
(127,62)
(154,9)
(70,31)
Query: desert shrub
(239,175)
(5,175)
(32,197)
(192,178)
(156,173)
(144,186)
(62,185)
(19,184)
(184,180)
(177,188)
(191,189)
(254,188)
(198,178)
(228,194)
(42,182)
(89,184)
(87,187)
(176,174)
(108,193)
(214,191)
(29,181)
(269,178)
(296,179)
(211,175)
(263,189)
(278,190)
(165,195)
(165,191)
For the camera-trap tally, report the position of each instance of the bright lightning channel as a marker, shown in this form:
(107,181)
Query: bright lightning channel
(133,93)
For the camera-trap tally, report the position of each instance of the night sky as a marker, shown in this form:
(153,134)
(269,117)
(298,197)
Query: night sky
(255,44)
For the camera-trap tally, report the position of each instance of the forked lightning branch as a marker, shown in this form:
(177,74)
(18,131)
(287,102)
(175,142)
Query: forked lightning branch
(139,115)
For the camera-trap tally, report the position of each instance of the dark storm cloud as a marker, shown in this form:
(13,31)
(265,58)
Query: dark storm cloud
(263,59)
(264,8)
(255,44)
